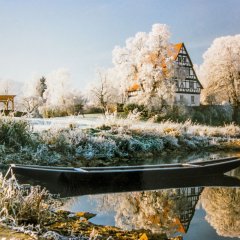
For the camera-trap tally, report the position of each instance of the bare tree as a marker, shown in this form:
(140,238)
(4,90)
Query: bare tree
(101,91)
(31,105)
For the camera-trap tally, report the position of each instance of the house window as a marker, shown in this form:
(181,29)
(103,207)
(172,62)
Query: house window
(192,99)
(191,72)
(191,85)
(182,59)
(181,98)
(181,85)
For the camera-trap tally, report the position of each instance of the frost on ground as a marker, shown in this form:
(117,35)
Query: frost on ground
(76,141)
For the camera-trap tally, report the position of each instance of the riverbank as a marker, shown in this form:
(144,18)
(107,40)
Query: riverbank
(114,142)
(8,234)
(46,219)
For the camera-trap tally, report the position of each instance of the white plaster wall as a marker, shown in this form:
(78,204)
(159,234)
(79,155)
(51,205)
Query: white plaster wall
(187,99)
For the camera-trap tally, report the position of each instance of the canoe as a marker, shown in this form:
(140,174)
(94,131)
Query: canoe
(104,179)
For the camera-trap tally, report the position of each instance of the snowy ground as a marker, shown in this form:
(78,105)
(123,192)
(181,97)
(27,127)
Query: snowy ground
(89,121)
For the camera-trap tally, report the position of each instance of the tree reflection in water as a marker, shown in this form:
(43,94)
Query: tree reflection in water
(163,211)
(222,206)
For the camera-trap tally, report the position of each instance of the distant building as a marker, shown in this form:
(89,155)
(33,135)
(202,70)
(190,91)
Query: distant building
(188,87)
(8,101)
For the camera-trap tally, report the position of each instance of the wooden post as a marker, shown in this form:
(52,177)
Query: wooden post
(12,104)
(5,105)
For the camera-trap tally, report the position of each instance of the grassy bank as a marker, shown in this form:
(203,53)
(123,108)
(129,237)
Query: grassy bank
(114,142)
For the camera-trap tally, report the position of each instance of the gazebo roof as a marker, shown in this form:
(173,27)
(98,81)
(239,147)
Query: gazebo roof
(6,97)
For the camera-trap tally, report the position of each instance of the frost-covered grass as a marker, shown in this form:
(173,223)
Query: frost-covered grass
(16,213)
(107,140)
(34,212)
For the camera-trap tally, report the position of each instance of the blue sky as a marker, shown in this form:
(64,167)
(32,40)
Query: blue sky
(39,36)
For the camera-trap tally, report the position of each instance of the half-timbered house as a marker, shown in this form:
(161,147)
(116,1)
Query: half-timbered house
(187,85)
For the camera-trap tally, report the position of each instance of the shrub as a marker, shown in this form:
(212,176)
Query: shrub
(132,106)
(15,133)
(198,117)
(28,208)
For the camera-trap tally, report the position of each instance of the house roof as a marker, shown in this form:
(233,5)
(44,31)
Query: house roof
(134,87)
(177,48)
(172,52)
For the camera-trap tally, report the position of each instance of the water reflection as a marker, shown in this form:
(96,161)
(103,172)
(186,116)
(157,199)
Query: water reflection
(163,211)
(222,206)
(167,211)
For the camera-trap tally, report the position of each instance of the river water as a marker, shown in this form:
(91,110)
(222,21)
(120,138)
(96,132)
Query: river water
(194,212)
(172,211)
(211,213)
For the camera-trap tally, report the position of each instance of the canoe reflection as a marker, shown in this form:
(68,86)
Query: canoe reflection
(66,189)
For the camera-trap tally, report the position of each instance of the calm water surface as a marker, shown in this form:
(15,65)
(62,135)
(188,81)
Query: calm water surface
(194,212)
(211,213)
(171,211)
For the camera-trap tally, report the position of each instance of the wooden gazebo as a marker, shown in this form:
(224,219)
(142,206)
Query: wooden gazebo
(6,99)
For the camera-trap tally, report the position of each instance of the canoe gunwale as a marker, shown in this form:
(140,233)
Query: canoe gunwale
(128,169)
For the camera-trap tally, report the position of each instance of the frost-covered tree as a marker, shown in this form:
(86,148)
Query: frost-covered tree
(31,105)
(75,103)
(222,210)
(52,95)
(8,86)
(5,86)
(103,92)
(145,60)
(220,72)
(32,97)
(58,86)
(60,99)
(41,86)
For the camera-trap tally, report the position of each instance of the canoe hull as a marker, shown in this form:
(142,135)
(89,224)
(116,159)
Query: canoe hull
(109,180)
